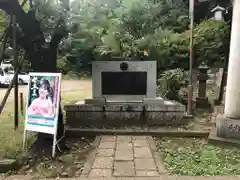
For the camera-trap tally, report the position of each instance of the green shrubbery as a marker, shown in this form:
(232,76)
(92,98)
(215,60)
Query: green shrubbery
(194,157)
(170,83)
(128,28)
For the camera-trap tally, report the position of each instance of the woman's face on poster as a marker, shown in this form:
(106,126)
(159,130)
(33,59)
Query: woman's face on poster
(43,93)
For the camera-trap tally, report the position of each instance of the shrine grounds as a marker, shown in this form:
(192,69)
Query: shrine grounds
(179,156)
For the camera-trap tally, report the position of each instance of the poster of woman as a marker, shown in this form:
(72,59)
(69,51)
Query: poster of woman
(43,102)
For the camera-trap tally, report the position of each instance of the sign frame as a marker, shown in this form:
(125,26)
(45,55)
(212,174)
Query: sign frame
(53,129)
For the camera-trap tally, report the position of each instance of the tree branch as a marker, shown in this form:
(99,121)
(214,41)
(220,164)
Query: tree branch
(59,33)
(23,3)
(8,5)
(12,7)
(22,40)
(4,39)
(3,48)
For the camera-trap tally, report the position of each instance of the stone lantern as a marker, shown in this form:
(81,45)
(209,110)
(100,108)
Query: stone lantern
(202,100)
(218,13)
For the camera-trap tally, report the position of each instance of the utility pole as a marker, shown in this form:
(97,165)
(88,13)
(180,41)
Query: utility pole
(15,62)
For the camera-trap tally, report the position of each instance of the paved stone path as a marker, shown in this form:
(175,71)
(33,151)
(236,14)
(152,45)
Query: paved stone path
(125,156)
(138,178)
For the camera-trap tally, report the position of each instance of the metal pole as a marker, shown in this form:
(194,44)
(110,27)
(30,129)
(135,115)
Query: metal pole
(223,82)
(3,102)
(15,61)
(21,104)
(190,86)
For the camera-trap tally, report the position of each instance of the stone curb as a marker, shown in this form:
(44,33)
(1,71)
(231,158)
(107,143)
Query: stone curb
(159,133)
(13,163)
(158,160)
(88,164)
(223,142)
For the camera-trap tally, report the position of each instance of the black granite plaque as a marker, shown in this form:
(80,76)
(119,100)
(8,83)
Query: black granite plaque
(124,83)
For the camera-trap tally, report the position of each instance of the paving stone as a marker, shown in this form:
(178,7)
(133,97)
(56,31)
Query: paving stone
(124,145)
(103,162)
(196,178)
(7,165)
(19,177)
(107,145)
(146,173)
(140,143)
(124,155)
(123,168)
(139,138)
(108,138)
(100,173)
(145,164)
(105,152)
(124,138)
(142,152)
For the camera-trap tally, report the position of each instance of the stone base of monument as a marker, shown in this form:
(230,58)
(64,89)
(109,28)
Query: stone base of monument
(149,112)
(202,103)
(226,132)
(227,127)
(215,140)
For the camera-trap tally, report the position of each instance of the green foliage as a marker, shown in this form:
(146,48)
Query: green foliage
(62,65)
(170,82)
(127,28)
(53,15)
(168,48)
(3,23)
(26,6)
(140,23)
(211,41)
(71,75)
(194,157)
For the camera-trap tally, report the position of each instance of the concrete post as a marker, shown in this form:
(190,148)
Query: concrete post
(232,102)
(228,125)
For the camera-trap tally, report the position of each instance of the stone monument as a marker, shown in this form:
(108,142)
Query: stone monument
(124,93)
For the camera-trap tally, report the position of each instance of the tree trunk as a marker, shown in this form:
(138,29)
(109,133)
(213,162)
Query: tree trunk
(43,56)
(45,61)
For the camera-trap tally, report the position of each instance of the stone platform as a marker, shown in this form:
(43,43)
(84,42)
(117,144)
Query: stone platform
(99,114)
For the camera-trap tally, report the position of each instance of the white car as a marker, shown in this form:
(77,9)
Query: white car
(23,78)
(6,77)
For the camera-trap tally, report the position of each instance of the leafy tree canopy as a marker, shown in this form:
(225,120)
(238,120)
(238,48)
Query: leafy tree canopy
(146,29)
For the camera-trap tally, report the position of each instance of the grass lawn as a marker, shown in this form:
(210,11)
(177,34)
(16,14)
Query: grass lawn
(191,156)
(11,140)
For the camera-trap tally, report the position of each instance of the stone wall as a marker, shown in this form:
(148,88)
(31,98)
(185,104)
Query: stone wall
(120,115)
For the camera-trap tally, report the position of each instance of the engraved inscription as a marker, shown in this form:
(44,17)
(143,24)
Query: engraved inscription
(234,128)
(124,83)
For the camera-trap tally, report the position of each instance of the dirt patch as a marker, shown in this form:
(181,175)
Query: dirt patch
(69,164)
